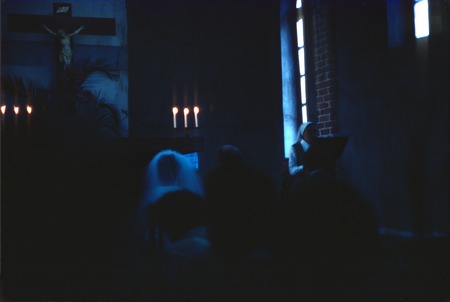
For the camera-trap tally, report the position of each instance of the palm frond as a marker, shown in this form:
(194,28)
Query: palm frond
(17,88)
(95,108)
(87,68)
(91,108)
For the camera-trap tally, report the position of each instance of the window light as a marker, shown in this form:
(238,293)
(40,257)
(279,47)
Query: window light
(303,89)
(421,22)
(301,60)
(300,41)
(304,114)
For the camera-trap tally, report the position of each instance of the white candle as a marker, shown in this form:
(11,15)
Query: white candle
(174,111)
(196,110)
(186,112)
(29,110)
(16,116)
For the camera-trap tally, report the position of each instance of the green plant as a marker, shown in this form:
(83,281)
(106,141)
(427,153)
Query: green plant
(73,107)
(19,90)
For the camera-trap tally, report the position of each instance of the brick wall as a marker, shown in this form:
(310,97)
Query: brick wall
(325,67)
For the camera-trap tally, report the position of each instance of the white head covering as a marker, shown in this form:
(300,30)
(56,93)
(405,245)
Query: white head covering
(170,171)
(301,130)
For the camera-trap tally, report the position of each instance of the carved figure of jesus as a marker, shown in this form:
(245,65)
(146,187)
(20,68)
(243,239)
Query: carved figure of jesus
(65,54)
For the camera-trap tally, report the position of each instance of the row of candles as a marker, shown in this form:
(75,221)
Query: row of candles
(185,112)
(19,120)
(16,109)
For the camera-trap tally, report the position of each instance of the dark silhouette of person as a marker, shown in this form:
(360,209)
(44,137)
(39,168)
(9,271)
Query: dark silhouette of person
(239,199)
(187,268)
(305,137)
(296,166)
(327,240)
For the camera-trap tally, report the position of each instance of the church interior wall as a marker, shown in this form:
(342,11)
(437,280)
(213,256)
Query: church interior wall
(224,56)
(393,104)
(31,56)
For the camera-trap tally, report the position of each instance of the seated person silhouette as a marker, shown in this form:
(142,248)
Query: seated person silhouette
(297,166)
(306,135)
(328,238)
(314,154)
(239,200)
(187,268)
(168,171)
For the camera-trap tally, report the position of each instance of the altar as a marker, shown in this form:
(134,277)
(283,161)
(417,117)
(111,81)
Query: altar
(152,145)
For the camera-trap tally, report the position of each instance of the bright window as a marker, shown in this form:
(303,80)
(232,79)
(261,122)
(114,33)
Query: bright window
(300,41)
(301,61)
(294,72)
(421,22)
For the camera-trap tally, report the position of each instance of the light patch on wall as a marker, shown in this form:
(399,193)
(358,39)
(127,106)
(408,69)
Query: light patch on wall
(421,22)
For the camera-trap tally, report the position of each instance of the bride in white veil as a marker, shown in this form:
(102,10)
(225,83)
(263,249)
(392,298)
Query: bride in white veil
(167,172)
(170,171)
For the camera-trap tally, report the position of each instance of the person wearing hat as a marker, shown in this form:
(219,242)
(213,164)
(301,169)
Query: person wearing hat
(307,132)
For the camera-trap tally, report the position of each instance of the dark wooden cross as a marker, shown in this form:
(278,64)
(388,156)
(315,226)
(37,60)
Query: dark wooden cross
(61,19)
(63,26)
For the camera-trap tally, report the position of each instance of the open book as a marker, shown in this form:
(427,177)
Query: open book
(324,153)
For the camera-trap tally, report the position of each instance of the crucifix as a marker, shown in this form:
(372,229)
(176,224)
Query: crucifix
(65,52)
(63,26)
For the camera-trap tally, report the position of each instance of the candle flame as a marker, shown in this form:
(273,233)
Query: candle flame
(29,109)
(196,110)
(16,110)
(174,110)
(3,109)
(186,110)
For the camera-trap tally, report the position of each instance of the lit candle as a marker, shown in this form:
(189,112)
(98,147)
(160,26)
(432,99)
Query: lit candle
(3,111)
(196,110)
(16,122)
(29,110)
(174,111)
(186,112)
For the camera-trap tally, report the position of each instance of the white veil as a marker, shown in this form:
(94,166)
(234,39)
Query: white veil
(170,171)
